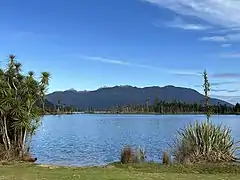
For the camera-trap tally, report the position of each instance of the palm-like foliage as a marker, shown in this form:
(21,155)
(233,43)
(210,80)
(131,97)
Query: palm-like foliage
(19,114)
(205,142)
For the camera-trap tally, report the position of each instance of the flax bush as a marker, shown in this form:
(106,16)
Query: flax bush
(129,155)
(205,143)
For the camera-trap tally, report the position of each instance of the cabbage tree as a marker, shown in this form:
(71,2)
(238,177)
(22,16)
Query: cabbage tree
(19,113)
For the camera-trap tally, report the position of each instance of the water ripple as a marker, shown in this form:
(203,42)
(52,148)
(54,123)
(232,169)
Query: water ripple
(87,140)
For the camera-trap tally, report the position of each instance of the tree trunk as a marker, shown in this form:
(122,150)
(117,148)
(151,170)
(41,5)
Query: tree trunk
(6,133)
(20,143)
(4,138)
(23,141)
(15,137)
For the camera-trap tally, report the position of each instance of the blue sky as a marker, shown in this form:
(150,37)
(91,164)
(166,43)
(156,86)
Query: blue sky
(87,44)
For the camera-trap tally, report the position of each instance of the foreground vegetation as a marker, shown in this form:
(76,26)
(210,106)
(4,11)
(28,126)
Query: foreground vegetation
(121,172)
(205,142)
(21,97)
(199,142)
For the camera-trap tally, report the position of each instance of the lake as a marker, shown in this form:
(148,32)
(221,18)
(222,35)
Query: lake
(87,140)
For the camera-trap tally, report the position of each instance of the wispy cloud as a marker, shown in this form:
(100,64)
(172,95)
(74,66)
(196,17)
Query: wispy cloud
(226,75)
(180,23)
(223,38)
(225,45)
(214,84)
(230,55)
(178,72)
(106,60)
(224,13)
(214,38)
(224,90)
(225,30)
(224,83)
(229,98)
(222,16)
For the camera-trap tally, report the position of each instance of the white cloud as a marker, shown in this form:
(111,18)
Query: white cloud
(151,67)
(106,60)
(225,45)
(223,38)
(225,75)
(230,55)
(226,96)
(223,13)
(180,23)
(226,30)
(214,38)
(225,90)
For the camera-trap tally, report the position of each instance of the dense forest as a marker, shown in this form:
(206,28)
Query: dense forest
(176,108)
(163,107)
(60,108)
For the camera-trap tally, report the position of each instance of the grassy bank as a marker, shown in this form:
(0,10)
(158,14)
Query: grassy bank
(120,172)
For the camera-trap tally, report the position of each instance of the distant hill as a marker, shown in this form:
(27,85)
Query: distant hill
(108,97)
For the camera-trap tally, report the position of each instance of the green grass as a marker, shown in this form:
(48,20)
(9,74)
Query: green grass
(120,172)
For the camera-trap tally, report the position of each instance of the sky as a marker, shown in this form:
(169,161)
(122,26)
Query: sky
(88,44)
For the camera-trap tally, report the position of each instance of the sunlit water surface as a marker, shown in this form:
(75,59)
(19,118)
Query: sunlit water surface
(84,140)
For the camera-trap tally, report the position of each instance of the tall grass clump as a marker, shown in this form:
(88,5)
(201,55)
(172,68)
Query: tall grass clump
(129,155)
(205,143)
(166,159)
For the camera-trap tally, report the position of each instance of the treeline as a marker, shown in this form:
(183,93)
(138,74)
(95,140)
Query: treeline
(60,109)
(175,107)
(160,107)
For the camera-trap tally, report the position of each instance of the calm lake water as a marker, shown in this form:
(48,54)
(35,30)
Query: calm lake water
(83,140)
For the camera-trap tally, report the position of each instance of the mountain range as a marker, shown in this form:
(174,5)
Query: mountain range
(108,97)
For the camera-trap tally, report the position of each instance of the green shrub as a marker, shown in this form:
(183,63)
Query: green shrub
(128,155)
(204,143)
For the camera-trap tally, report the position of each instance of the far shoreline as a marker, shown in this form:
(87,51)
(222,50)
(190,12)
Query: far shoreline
(155,114)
